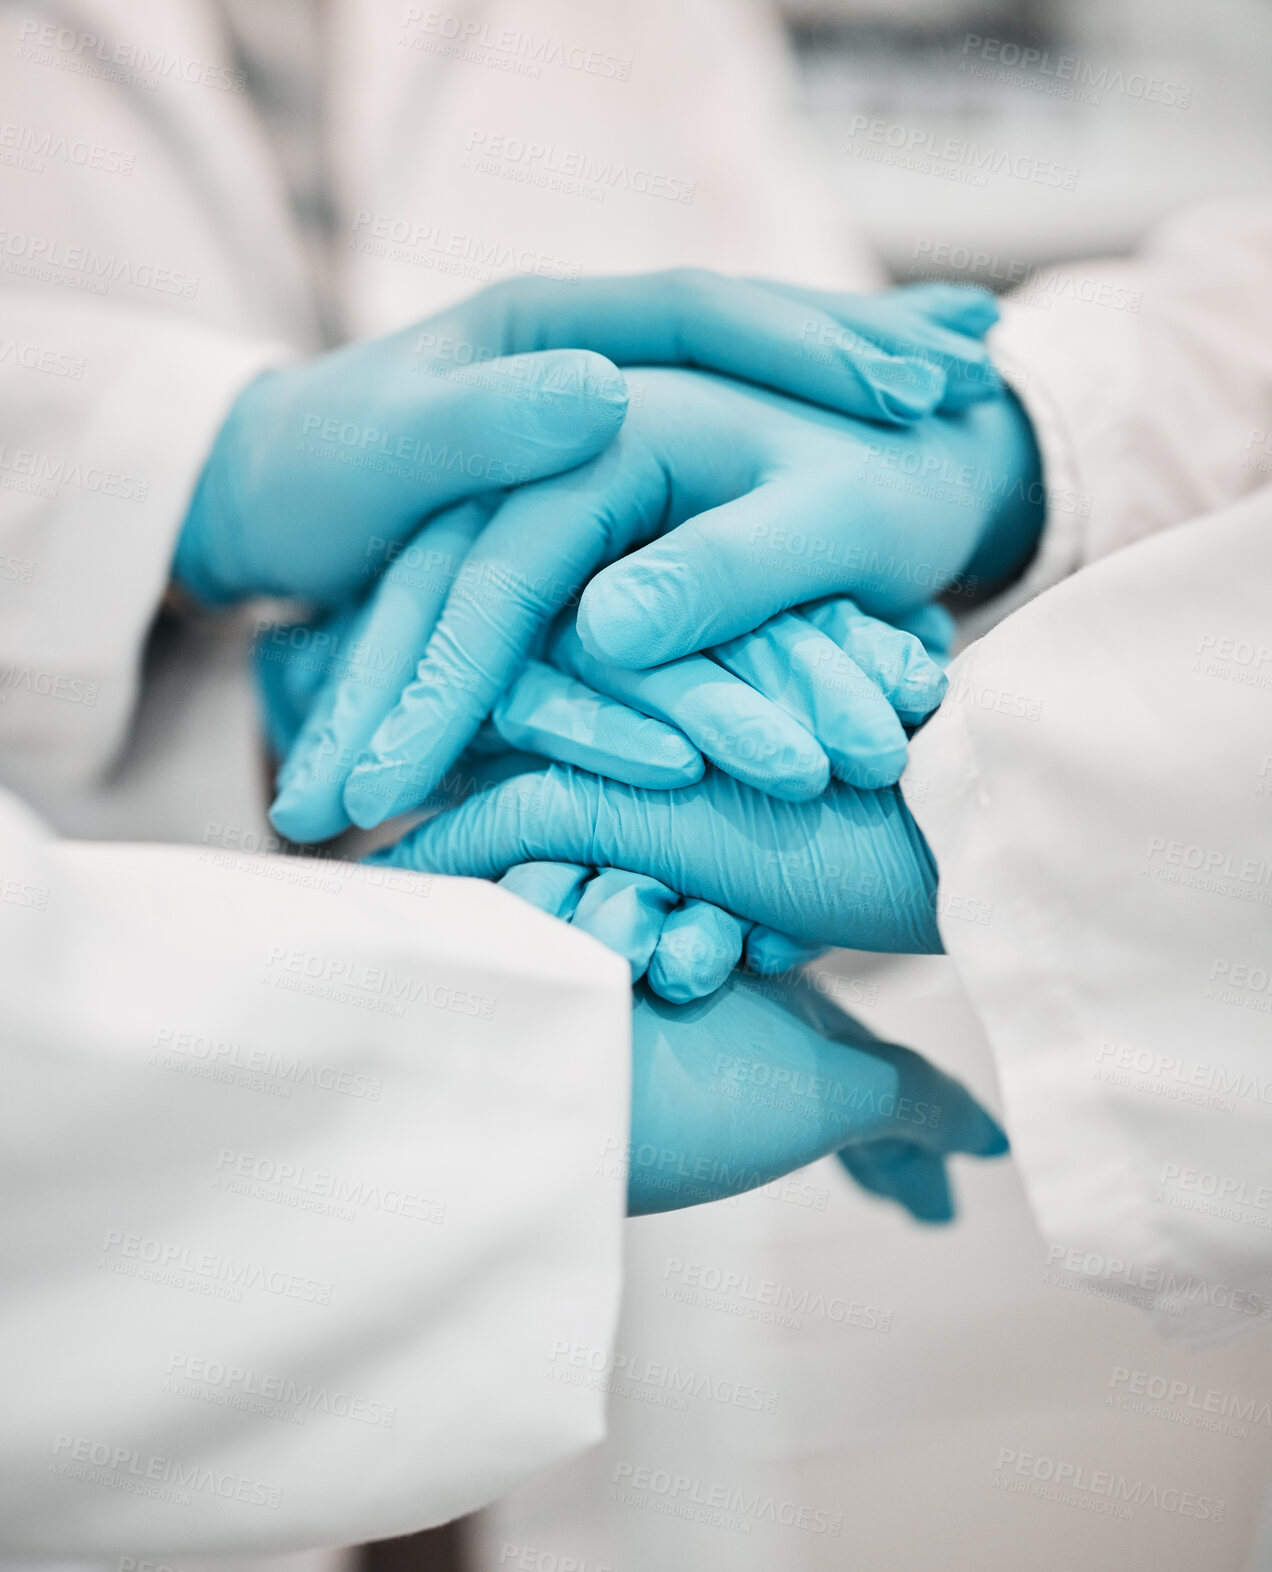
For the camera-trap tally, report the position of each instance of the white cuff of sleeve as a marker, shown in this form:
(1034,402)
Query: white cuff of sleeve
(1061,546)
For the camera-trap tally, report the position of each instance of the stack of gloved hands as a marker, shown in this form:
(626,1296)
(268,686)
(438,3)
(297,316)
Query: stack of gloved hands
(651,639)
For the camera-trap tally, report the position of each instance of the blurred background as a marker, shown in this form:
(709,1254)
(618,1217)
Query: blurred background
(1109,113)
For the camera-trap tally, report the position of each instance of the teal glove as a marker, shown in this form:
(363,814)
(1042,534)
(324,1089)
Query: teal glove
(754,476)
(321,468)
(780,709)
(850,869)
(684,949)
(762,1079)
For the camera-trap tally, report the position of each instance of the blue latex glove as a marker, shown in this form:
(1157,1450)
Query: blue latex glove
(850,869)
(739,472)
(322,467)
(302,670)
(292,663)
(782,709)
(891,357)
(762,1079)
(684,949)
(806,695)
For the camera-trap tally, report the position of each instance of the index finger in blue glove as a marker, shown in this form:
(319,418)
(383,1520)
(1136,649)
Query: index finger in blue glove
(934,628)
(378,655)
(554,887)
(767,745)
(895,662)
(772,954)
(964,308)
(546,711)
(531,559)
(291,663)
(689,954)
(943,323)
(697,949)
(811,678)
(691,317)
(626,912)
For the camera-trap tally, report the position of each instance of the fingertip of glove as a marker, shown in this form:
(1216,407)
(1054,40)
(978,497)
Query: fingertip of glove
(995,1142)
(371,795)
(666,767)
(293,815)
(907,388)
(975,381)
(610,627)
(922,686)
(584,374)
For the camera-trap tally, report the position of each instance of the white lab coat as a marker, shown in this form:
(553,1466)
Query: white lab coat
(995,1395)
(303,1169)
(1098,782)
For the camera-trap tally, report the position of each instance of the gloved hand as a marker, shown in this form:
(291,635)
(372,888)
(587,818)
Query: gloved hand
(762,1079)
(684,949)
(891,357)
(826,690)
(850,869)
(294,662)
(322,467)
(777,504)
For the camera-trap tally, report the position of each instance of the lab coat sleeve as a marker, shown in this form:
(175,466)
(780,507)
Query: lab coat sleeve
(110,412)
(1148,381)
(1097,790)
(307,1174)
